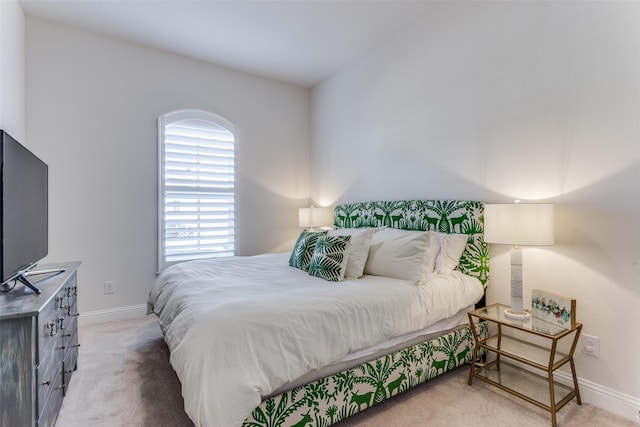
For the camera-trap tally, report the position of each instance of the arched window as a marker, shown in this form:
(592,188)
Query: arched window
(196,187)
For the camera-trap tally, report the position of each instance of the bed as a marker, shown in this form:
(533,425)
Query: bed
(261,341)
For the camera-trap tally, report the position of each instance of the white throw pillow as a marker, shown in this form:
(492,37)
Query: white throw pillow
(400,254)
(359,252)
(451,248)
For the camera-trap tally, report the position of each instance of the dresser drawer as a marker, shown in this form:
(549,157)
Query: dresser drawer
(48,328)
(49,403)
(68,327)
(72,306)
(49,374)
(71,287)
(70,362)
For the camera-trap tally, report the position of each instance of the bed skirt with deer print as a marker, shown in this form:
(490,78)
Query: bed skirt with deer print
(332,399)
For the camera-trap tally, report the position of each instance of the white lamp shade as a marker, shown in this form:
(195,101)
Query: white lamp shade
(314,217)
(521,224)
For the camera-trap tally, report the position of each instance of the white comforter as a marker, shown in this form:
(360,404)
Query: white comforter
(239,328)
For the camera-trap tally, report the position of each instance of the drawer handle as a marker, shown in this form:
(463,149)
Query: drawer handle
(75,346)
(66,335)
(69,371)
(46,383)
(60,348)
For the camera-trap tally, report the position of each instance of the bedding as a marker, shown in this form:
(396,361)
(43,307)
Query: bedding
(451,248)
(328,400)
(329,259)
(359,252)
(435,330)
(303,249)
(401,254)
(240,328)
(329,349)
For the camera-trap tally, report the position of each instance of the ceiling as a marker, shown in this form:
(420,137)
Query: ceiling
(296,41)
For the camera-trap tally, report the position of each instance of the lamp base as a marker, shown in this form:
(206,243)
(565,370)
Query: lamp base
(516,316)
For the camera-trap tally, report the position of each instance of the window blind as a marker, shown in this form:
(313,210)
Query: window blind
(199,190)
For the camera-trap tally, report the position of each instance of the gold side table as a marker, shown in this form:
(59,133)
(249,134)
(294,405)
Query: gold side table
(527,353)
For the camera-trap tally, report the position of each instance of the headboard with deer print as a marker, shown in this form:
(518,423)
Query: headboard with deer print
(445,216)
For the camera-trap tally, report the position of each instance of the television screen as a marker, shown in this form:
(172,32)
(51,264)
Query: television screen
(23,210)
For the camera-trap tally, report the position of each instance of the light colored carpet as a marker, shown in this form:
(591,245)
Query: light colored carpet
(124,379)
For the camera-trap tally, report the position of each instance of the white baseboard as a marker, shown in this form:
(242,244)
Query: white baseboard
(112,314)
(610,400)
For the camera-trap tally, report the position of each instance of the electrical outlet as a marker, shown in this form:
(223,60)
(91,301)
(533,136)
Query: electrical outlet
(591,345)
(109,287)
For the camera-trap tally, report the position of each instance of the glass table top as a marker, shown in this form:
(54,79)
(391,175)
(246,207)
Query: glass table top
(495,312)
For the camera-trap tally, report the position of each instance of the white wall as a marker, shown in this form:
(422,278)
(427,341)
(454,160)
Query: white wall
(12,112)
(501,100)
(92,108)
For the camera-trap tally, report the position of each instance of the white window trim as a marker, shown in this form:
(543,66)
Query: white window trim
(175,116)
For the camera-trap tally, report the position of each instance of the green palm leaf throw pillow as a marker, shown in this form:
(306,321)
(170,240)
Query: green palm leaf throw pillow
(329,260)
(303,249)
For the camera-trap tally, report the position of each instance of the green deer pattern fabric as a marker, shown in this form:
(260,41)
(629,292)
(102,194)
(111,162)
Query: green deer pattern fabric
(339,396)
(445,216)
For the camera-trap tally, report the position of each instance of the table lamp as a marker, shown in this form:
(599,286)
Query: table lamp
(314,217)
(518,224)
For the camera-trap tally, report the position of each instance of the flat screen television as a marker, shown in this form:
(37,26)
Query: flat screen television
(24,213)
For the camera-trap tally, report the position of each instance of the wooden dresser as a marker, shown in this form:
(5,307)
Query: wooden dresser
(38,347)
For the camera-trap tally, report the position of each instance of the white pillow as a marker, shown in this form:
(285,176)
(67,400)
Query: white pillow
(359,252)
(400,254)
(451,248)
(431,255)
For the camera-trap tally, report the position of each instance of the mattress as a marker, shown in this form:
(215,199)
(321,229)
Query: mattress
(239,329)
(442,327)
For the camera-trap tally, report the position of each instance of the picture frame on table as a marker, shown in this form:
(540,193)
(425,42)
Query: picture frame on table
(557,309)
